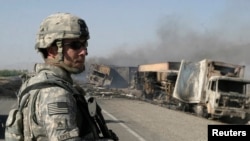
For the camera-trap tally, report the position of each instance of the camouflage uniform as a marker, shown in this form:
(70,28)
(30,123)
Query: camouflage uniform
(57,116)
(54,112)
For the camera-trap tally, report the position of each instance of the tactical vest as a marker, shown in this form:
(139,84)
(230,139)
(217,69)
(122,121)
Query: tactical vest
(92,126)
(32,130)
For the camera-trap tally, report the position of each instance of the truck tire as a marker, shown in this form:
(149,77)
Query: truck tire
(200,111)
(182,106)
(148,91)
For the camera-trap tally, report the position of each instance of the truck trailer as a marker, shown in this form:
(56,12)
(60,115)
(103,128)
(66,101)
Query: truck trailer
(157,80)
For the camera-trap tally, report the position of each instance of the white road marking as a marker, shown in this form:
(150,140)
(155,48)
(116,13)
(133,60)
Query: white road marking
(125,126)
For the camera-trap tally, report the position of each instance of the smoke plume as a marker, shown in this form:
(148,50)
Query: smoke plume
(227,40)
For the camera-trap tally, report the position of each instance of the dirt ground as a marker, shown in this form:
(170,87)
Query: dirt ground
(9,86)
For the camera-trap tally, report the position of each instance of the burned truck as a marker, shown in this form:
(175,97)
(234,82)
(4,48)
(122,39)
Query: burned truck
(110,76)
(99,75)
(213,88)
(157,81)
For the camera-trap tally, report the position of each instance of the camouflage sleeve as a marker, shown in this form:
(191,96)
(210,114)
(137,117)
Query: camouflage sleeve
(56,110)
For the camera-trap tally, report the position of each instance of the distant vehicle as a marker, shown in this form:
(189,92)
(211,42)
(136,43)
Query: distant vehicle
(110,76)
(100,75)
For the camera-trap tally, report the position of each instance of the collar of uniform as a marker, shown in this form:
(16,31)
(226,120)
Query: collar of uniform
(58,71)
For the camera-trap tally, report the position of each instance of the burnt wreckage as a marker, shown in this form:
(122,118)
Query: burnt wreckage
(207,88)
(108,76)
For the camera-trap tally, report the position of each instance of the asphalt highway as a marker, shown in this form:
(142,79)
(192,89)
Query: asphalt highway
(134,120)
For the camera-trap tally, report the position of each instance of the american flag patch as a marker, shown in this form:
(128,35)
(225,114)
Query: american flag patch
(58,108)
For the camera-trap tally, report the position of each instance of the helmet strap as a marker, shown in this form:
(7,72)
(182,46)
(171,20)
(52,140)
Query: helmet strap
(59,56)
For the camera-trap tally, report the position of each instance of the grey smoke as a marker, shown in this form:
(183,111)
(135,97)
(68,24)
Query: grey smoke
(227,40)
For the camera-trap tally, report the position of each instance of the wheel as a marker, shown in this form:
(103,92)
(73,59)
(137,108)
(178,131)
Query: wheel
(148,91)
(200,111)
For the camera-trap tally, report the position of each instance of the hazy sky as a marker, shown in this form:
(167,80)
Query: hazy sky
(133,32)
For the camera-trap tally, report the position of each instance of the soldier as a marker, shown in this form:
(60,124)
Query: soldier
(57,110)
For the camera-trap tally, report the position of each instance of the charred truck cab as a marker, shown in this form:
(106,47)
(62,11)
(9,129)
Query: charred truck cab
(213,88)
(110,76)
(100,75)
(227,96)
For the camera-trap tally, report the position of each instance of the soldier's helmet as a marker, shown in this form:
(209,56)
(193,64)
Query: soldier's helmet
(60,26)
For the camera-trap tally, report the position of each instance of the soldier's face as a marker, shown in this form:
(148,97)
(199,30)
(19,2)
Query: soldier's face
(75,51)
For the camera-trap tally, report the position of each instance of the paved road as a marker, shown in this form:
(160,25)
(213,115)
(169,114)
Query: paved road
(140,121)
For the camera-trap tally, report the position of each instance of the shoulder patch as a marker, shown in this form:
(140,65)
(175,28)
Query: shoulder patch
(61,124)
(58,108)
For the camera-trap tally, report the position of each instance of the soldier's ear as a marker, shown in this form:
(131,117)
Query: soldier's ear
(52,52)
